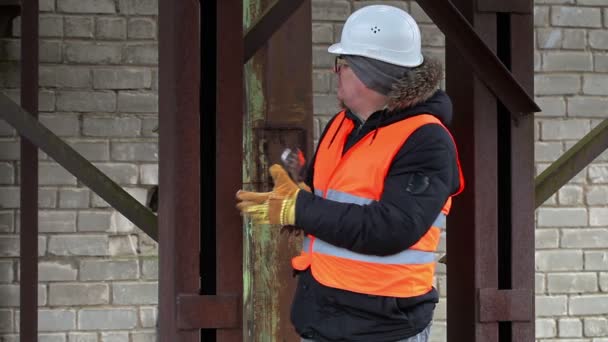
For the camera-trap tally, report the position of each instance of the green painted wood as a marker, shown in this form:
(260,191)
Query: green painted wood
(27,126)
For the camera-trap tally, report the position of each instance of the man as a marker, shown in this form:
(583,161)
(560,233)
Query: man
(382,180)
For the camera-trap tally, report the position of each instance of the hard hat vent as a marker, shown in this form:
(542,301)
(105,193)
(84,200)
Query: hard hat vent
(375,29)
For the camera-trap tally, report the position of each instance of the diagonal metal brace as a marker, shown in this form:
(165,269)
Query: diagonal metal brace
(486,65)
(268,24)
(571,163)
(28,127)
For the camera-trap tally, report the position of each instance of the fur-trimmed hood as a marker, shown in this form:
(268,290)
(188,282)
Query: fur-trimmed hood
(416,86)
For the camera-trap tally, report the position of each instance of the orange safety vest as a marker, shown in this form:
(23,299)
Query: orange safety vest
(358,177)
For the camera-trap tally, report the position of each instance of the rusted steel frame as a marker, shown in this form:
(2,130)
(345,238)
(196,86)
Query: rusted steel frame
(504,305)
(510,6)
(208,312)
(267,25)
(522,245)
(571,163)
(479,56)
(229,156)
(28,284)
(27,126)
(473,250)
(179,173)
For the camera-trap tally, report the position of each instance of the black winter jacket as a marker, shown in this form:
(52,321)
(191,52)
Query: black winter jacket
(422,176)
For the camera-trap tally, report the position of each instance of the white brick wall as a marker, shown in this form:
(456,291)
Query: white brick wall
(99,84)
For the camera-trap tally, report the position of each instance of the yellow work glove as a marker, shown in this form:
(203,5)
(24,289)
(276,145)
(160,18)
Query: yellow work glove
(275,207)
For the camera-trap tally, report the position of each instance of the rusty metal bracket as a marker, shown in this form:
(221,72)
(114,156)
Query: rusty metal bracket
(571,163)
(193,311)
(272,20)
(502,6)
(505,305)
(486,65)
(28,127)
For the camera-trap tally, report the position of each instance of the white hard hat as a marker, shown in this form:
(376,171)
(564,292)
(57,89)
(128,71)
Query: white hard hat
(381,32)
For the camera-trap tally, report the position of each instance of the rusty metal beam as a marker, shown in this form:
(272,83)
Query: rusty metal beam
(486,65)
(179,174)
(267,25)
(229,156)
(208,312)
(504,306)
(28,284)
(27,126)
(502,6)
(571,163)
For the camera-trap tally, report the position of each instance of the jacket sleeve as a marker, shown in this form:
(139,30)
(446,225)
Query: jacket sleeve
(421,178)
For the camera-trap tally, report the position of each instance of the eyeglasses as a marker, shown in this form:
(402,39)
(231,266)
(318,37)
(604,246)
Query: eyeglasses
(339,62)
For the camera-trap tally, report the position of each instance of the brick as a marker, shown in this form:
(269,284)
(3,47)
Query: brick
(598,173)
(7,272)
(120,224)
(115,336)
(78,27)
(585,238)
(57,221)
(141,54)
(556,84)
(111,127)
(419,14)
(570,327)
(321,81)
(134,293)
(10,50)
(142,28)
(330,10)
(547,151)
(546,238)
(432,36)
(562,217)
(107,270)
(111,28)
(82,337)
(322,33)
(571,195)
(47,198)
(86,6)
(93,53)
(603,282)
(85,245)
(9,150)
(574,39)
(141,7)
(49,26)
(599,217)
(120,173)
(321,58)
(571,282)
(7,220)
(593,2)
(50,51)
(593,85)
(54,174)
(92,150)
(148,317)
(549,38)
(125,245)
(325,104)
(56,320)
(122,78)
(560,260)
(6,321)
(135,151)
(74,198)
(597,195)
(57,337)
(551,306)
(598,39)
(63,125)
(46,5)
(148,174)
(94,221)
(144,336)
(545,328)
(107,319)
(6,130)
(86,101)
(573,129)
(588,305)
(137,102)
(9,295)
(541,16)
(149,268)
(596,327)
(7,173)
(78,294)
(567,61)
(576,16)
(9,197)
(56,271)
(149,123)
